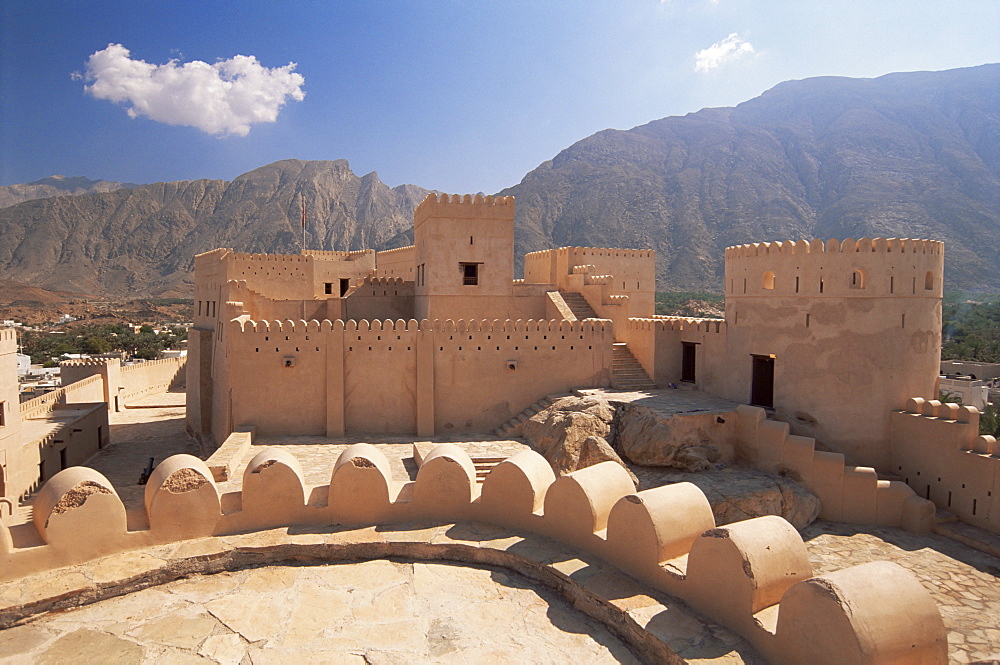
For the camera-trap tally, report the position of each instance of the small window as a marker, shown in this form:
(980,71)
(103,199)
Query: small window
(857,279)
(3,413)
(345,286)
(769,280)
(328,288)
(929,281)
(470,274)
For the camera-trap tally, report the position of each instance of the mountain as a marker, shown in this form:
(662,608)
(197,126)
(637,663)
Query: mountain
(57,185)
(903,155)
(142,241)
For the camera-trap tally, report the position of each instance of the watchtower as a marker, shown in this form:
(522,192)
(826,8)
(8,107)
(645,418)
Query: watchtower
(464,256)
(835,335)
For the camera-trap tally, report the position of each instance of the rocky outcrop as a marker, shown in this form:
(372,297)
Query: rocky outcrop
(573,434)
(577,432)
(647,439)
(740,493)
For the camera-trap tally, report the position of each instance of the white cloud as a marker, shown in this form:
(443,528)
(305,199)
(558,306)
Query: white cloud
(730,48)
(224,98)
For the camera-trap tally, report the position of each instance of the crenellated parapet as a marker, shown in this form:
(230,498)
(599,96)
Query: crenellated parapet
(677,323)
(937,448)
(865,267)
(753,576)
(327,255)
(464,206)
(8,335)
(835,246)
(437,325)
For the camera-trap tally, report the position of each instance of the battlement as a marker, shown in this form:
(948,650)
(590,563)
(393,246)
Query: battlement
(464,207)
(753,576)
(615,252)
(834,246)
(8,335)
(677,323)
(321,254)
(437,325)
(862,268)
(89,362)
(381,286)
(151,363)
(393,253)
(937,448)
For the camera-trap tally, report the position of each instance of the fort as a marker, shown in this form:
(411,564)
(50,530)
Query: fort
(828,354)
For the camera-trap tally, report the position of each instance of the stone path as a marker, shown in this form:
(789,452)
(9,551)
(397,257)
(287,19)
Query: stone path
(963,582)
(372,612)
(321,604)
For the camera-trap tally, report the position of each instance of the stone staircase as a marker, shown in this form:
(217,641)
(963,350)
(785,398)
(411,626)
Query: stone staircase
(484,465)
(627,373)
(512,427)
(578,305)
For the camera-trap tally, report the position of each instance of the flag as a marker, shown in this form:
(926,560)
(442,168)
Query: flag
(303,216)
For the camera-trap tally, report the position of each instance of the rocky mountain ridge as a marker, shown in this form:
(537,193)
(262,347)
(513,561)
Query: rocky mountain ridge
(142,241)
(57,185)
(903,155)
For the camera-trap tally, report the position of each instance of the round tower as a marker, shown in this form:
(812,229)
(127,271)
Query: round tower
(834,335)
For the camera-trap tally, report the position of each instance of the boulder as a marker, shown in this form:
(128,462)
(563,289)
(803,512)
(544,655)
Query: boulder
(572,434)
(649,439)
(740,493)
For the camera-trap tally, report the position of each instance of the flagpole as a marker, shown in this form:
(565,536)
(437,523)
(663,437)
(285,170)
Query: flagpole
(303,223)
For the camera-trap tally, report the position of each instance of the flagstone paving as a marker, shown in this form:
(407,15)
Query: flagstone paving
(371,612)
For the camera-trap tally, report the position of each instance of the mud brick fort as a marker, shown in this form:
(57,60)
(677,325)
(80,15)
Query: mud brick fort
(829,354)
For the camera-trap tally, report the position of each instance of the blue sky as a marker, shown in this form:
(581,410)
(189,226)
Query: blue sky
(461,96)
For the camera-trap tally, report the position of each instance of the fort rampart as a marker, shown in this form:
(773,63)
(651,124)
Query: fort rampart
(123,384)
(329,377)
(754,576)
(464,206)
(939,452)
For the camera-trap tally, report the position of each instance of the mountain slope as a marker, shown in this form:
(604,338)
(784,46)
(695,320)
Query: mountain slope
(142,241)
(57,185)
(904,155)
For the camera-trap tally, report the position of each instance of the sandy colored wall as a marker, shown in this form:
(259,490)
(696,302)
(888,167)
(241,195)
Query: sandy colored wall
(448,231)
(11,428)
(327,378)
(397,263)
(377,298)
(657,344)
(937,449)
(979,370)
(844,357)
(618,284)
(754,577)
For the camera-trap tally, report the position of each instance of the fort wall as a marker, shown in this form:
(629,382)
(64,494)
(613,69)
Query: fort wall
(464,253)
(328,378)
(123,384)
(939,452)
(853,329)
(754,576)
(397,263)
(617,283)
(10,415)
(846,492)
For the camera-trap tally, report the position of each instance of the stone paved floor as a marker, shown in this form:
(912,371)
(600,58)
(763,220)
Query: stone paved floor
(962,580)
(371,612)
(965,583)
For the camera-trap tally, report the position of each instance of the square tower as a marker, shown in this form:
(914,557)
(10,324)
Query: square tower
(464,256)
